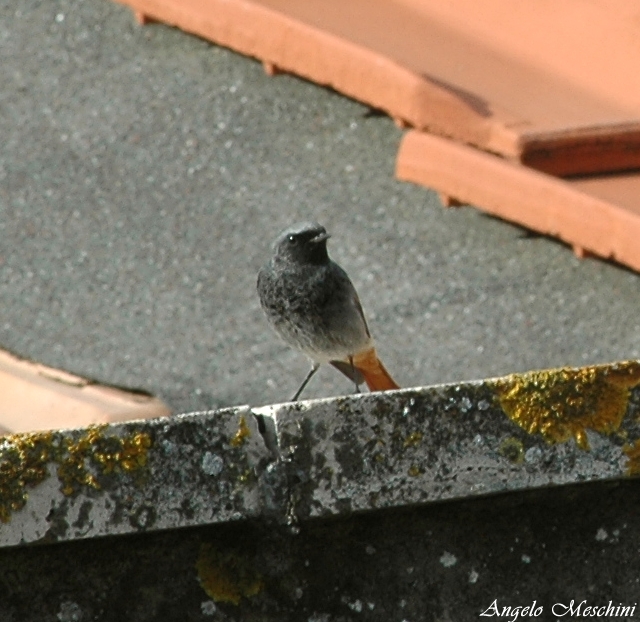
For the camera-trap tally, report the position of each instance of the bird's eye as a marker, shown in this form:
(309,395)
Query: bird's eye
(293,240)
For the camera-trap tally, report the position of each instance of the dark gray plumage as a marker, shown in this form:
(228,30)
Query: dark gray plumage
(311,303)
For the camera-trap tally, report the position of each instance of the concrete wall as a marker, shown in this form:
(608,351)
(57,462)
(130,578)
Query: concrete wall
(423,504)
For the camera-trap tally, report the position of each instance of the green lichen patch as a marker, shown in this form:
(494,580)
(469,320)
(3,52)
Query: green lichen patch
(632,451)
(414,439)
(512,449)
(227,576)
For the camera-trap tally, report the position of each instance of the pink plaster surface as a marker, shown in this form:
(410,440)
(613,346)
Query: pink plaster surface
(35,397)
(552,84)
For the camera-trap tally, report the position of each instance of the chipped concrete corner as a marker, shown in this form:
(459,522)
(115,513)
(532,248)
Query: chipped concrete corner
(322,458)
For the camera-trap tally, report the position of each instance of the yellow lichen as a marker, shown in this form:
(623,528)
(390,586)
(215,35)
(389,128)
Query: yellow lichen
(414,471)
(227,576)
(73,465)
(23,464)
(94,452)
(246,476)
(415,438)
(242,434)
(512,449)
(128,453)
(560,404)
(80,460)
(632,451)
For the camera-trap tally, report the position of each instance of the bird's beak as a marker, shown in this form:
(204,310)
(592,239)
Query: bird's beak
(321,237)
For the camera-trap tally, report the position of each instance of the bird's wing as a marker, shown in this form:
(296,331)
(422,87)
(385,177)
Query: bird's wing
(358,306)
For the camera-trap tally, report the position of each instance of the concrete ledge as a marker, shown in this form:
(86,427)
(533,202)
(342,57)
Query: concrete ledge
(457,441)
(331,510)
(323,458)
(126,478)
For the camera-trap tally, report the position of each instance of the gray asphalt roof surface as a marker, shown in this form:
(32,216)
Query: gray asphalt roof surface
(144,174)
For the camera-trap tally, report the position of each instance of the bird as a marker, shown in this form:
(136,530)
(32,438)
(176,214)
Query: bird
(313,306)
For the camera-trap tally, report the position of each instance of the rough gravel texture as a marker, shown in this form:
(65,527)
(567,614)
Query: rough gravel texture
(144,174)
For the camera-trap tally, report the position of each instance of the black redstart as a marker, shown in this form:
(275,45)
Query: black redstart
(311,303)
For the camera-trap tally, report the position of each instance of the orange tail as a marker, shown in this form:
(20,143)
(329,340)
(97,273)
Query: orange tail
(375,375)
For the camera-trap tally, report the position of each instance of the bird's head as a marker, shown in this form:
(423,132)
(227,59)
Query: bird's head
(302,243)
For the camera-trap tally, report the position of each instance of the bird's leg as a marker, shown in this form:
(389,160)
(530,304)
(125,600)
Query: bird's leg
(312,371)
(353,369)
